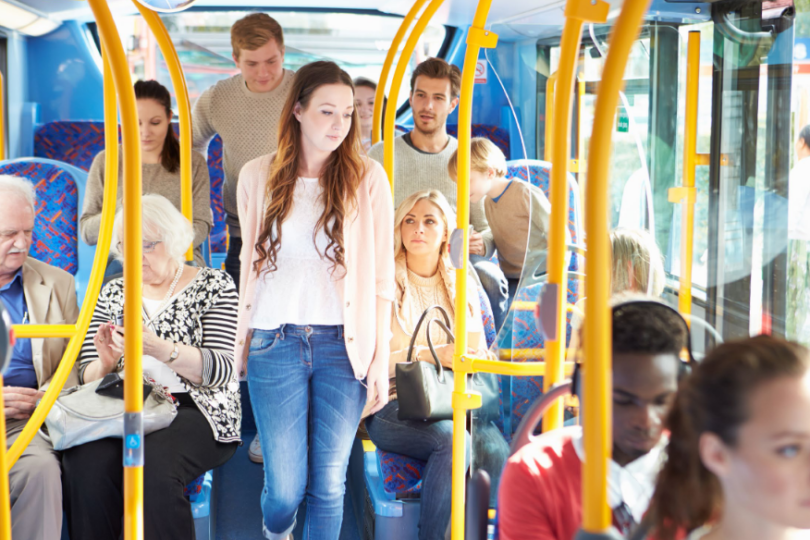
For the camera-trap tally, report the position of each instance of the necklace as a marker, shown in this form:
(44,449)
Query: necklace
(170,292)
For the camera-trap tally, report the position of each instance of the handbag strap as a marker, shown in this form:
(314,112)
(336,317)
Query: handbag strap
(419,325)
(450,337)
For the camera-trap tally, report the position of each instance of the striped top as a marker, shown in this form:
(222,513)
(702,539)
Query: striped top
(202,315)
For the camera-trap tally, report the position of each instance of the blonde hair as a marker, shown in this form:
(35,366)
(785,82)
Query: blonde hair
(484,155)
(636,261)
(254,31)
(161,221)
(436,199)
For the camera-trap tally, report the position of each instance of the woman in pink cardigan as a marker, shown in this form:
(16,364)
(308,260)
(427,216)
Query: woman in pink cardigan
(317,285)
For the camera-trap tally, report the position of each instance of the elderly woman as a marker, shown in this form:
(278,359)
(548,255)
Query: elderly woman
(189,327)
(425,278)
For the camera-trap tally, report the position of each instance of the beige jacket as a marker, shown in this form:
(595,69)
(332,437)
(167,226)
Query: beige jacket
(50,295)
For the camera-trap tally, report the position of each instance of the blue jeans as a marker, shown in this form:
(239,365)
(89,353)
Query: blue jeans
(307,404)
(495,286)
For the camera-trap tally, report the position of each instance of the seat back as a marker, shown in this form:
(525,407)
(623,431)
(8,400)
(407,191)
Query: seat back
(78,142)
(520,334)
(60,193)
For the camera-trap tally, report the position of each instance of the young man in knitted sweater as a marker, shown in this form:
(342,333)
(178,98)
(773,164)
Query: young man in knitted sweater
(421,157)
(245,110)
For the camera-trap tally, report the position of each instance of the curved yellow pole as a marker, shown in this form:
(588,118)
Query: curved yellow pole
(477,37)
(183,109)
(396,82)
(597,360)
(379,97)
(686,194)
(2,123)
(77,332)
(576,13)
(133,283)
(5,500)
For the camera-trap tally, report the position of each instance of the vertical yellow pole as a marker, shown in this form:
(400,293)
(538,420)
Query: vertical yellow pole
(77,332)
(396,82)
(477,37)
(133,248)
(687,194)
(548,143)
(379,97)
(2,122)
(5,501)
(597,362)
(576,12)
(183,109)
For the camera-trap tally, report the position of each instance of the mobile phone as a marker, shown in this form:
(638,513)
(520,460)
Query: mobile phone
(119,321)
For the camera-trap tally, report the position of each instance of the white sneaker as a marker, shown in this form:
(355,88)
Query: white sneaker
(255,450)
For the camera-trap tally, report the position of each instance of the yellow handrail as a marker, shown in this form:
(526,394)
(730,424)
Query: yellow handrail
(133,283)
(379,96)
(477,37)
(2,122)
(5,499)
(686,194)
(597,359)
(549,137)
(183,109)
(77,332)
(396,82)
(577,12)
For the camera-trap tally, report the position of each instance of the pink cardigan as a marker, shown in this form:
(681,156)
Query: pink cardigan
(368,234)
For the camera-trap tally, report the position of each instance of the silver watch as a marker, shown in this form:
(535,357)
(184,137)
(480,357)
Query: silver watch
(175,354)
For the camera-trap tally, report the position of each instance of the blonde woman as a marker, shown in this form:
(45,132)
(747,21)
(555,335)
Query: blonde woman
(425,278)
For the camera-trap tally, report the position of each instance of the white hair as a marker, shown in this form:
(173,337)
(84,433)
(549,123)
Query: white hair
(22,187)
(161,221)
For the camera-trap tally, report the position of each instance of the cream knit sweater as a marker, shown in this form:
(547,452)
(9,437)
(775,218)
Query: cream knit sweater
(246,121)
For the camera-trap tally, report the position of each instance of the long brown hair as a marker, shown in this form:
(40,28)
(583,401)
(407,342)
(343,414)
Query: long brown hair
(714,399)
(170,155)
(340,177)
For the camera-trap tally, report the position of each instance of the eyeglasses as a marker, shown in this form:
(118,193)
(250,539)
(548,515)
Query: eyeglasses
(148,247)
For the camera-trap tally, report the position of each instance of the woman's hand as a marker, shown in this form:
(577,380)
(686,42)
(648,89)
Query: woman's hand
(445,354)
(377,381)
(152,344)
(109,350)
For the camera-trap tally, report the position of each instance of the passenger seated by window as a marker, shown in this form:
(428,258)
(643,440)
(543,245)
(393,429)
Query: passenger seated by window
(189,327)
(365,91)
(34,293)
(540,496)
(425,278)
(517,213)
(160,151)
(738,460)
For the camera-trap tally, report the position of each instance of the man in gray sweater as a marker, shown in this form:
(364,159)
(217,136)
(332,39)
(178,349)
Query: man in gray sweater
(421,157)
(245,111)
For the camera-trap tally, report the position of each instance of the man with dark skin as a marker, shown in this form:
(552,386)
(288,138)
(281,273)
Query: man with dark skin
(540,493)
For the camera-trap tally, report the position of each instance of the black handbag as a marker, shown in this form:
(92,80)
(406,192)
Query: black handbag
(425,391)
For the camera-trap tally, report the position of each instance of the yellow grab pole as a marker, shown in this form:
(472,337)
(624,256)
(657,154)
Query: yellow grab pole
(183,109)
(2,123)
(547,144)
(686,194)
(5,500)
(597,361)
(77,333)
(477,37)
(133,285)
(379,97)
(576,13)
(396,82)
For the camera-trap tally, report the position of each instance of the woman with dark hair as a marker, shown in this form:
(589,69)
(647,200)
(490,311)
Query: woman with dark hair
(317,285)
(738,459)
(365,91)
(160,154)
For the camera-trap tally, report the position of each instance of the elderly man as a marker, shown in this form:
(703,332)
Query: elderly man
(36,293)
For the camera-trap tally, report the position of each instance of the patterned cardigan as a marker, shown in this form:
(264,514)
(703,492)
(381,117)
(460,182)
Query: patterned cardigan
(202,315)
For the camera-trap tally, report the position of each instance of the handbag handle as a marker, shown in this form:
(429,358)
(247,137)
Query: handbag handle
(450,336)
(419,325)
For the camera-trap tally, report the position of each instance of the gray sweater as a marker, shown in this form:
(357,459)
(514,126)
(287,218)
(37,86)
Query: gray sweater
(415,170)
(157,180)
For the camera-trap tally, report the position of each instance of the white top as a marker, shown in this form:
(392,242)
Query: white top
(154,368)
(799,201)
(304,289)
(634,483)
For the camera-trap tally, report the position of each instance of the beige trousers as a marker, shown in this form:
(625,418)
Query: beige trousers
(35,487)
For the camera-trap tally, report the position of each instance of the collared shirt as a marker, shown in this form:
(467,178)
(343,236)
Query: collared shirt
(20,371)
